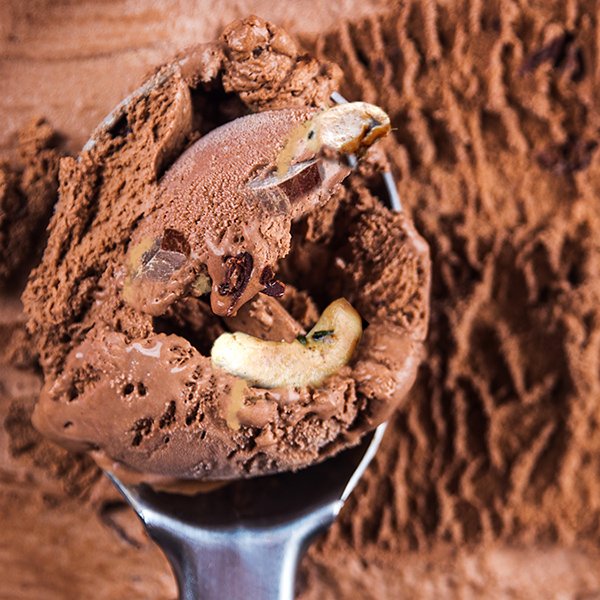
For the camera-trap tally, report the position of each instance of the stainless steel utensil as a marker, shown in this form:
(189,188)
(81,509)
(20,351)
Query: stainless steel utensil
(244,540)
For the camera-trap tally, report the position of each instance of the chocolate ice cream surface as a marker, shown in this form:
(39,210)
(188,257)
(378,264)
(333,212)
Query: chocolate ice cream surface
(208,217)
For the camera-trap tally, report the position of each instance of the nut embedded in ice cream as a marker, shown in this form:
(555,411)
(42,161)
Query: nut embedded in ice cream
(306,361)
(346,129)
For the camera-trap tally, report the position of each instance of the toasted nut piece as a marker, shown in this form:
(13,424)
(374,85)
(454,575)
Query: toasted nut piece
(344,129)
(306,361)
(202,285)
(350,127)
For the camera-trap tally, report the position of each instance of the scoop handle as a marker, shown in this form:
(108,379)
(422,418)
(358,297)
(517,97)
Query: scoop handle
(229,549)
(240,563)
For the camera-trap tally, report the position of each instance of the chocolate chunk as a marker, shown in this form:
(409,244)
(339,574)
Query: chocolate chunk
(303,182)
(273,287)
(159,264)
(267,275)
(237,274)
(165,256)
(174,241)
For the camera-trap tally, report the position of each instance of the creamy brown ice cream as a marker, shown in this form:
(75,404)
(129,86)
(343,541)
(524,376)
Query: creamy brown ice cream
(486,483)
(119,308)
(28,191)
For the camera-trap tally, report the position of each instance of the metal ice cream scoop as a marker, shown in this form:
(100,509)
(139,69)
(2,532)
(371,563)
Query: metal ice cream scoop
(244,540)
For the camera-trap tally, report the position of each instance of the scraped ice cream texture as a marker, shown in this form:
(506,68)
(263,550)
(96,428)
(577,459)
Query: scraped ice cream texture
(211,202)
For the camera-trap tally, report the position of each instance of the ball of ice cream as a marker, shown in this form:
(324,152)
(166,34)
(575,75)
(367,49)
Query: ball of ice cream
(198,310)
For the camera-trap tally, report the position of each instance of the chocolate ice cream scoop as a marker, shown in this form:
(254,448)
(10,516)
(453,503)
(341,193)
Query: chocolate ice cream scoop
(223,211)
(181,194)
